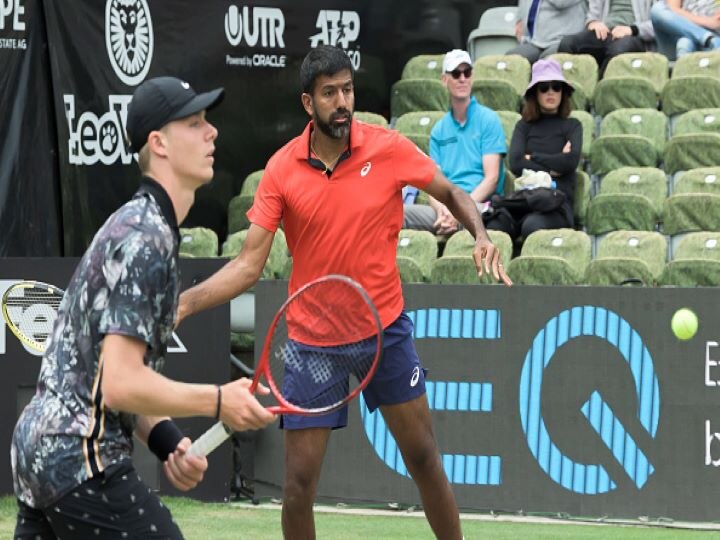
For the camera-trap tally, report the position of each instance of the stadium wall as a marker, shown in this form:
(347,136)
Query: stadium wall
(577,400)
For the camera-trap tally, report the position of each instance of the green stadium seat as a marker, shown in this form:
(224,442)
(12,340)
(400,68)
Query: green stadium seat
(420,122)
(552,257)
(495,33)
(457,264)
(695,202)
(630,198)
(508,119)
(628,256)
(704,64)
(198,242)
(695,83)
(631,80)
(277,258)
(498,21)
(690,151)
(629,138)
(695,261)
(697,121)
(490,74)
(241,203)
(683,94)
(423,66)
(421,140)
(588,127)
(416,251)
(582,71)
(408,95)
(582,197)
(496,94)
(371,118)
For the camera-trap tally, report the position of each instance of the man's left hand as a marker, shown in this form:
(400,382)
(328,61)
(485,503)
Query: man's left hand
(621,31)
(487,260)
(185,471)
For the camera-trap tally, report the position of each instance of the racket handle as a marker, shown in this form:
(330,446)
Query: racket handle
(210,440)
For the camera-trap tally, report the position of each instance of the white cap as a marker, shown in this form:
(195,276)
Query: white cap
(454,58)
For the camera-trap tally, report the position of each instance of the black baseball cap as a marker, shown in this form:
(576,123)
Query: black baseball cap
(161,100)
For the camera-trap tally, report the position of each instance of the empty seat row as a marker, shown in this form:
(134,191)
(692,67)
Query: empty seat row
(564,257)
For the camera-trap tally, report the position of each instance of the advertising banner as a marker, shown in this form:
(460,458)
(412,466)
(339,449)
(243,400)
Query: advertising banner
(544,399)
(199,352)
(29,179)
(102,50)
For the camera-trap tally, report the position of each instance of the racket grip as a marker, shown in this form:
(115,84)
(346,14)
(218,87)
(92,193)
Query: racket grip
(210,440)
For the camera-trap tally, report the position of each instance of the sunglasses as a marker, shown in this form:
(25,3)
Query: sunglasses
(545,86)
(457,72)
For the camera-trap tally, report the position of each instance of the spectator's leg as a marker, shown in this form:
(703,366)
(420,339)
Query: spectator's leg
(551,49)
(503,221)
(684,46)
(420,217)
(714,42)
(670,27)
(585,42)
(528,50)
(536,221)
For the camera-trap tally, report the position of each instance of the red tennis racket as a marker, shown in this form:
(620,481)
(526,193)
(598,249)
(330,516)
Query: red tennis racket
(321,350)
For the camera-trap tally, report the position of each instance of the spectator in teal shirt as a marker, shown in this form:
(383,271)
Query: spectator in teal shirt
(468,144)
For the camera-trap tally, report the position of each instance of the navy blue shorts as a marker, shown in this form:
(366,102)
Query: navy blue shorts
(398,379)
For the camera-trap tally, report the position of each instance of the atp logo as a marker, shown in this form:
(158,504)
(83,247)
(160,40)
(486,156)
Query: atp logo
(129,39)
(339,28)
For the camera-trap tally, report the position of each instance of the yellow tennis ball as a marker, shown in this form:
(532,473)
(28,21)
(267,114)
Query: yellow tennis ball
(684,324)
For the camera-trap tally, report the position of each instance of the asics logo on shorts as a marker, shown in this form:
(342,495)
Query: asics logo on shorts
(415,377)
(366,169)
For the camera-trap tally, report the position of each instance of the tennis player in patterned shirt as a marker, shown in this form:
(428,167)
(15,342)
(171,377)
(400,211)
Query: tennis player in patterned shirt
(99,381)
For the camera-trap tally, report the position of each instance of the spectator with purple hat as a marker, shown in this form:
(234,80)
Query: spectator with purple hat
(546,139)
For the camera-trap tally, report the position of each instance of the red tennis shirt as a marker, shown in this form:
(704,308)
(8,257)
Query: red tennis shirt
(346,222)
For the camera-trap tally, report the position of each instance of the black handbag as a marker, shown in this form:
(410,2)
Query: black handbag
(524,201)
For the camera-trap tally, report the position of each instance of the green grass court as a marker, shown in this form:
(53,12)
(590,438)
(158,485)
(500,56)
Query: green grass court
(219,521)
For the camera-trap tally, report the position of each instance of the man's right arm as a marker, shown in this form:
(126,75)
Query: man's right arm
(235,277)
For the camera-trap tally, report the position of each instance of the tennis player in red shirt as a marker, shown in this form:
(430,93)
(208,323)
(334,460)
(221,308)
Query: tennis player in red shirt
(337,191)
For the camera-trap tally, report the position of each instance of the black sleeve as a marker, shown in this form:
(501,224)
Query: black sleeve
(517,152)
(559,162)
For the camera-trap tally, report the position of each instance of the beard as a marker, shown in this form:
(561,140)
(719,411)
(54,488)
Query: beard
(330,128)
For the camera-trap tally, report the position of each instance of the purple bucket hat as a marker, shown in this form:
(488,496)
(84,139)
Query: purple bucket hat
(548,69)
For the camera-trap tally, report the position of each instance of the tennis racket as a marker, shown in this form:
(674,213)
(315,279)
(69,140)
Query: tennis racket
(322,349)
(30,309)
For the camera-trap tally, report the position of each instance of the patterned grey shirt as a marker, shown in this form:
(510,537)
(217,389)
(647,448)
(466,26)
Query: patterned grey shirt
(126,283)
(705,8)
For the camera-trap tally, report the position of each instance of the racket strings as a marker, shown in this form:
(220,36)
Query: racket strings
(320,351)
(31,313)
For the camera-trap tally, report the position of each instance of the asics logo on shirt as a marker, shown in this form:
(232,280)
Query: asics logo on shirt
(415,377)
(366,169)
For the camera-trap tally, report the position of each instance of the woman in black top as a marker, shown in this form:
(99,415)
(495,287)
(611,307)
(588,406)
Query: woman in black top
(547,139)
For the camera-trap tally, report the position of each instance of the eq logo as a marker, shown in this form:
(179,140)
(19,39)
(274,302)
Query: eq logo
(475,396)
(340,28)
(463,397)
(94,139)
(603,324)
(129,39)
(258,24)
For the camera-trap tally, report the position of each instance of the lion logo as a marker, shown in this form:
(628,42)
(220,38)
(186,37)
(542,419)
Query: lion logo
(129,39)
